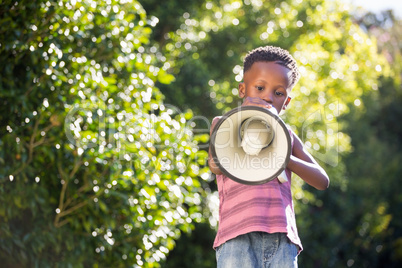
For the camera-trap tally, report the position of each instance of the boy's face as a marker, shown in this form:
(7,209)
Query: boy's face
(268,81)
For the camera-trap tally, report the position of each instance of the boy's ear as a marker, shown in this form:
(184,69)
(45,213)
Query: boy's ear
(286,103)
(242,90)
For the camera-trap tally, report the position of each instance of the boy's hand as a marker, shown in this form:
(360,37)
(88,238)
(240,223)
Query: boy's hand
(255,101)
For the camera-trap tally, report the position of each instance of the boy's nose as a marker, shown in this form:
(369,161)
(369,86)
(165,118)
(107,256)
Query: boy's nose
(268,98)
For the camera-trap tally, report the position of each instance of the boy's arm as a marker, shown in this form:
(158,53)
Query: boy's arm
(212,165)
(304,165)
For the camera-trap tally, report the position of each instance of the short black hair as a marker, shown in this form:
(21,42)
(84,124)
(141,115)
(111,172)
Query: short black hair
(276,54)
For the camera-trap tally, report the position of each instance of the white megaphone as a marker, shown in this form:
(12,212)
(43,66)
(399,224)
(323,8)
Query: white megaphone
(251,145)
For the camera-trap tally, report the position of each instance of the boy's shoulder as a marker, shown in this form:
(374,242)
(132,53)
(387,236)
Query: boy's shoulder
(216,119)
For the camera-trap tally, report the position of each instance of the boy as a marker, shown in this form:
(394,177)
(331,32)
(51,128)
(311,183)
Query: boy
(257,226)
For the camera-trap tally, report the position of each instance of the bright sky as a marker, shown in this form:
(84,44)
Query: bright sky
(379,5)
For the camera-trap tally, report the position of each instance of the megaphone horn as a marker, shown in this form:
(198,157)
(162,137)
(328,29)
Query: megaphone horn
(251,145)
(255,134)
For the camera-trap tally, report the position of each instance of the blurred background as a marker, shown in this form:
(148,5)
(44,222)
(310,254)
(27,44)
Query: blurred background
(105,110)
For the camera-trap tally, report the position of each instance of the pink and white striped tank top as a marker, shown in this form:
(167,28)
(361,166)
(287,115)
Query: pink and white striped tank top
(245,208)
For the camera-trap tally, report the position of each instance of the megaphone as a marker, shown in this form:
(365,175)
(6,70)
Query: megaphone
(251,145)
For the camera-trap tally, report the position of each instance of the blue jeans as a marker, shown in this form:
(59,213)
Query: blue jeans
(257,250)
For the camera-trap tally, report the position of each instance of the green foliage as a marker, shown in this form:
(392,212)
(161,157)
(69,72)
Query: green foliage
(219,33)
(193,250)
(373,228)
(96,171)
(374,163)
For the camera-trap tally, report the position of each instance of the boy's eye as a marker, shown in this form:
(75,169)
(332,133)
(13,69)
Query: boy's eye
(259,88)
(278,93)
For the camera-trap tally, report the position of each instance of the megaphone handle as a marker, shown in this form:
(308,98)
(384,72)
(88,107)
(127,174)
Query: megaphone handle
(282,178)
